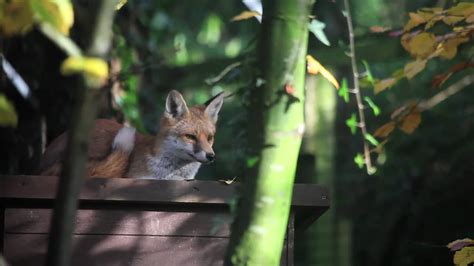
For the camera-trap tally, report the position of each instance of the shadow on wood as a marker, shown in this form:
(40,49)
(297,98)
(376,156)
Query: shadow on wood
(137,222)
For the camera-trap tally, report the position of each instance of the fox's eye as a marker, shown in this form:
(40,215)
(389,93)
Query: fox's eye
(210,138)
(191,137)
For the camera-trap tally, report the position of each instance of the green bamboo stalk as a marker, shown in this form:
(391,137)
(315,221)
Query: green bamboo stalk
(323,247)
(276,131)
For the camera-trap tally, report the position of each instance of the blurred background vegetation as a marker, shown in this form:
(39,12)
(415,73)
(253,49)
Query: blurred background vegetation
(419,199)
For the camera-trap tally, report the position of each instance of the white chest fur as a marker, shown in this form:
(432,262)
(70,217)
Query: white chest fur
(171,162)
(170,168)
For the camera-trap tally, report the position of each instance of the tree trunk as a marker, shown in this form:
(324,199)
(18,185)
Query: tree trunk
(275,129)
(73,169)
(323,247)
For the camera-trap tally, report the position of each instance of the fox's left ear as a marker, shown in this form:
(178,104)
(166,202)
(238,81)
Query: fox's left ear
(213,106)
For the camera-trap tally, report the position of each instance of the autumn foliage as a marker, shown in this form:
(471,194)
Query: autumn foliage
(429,34)
(422,39)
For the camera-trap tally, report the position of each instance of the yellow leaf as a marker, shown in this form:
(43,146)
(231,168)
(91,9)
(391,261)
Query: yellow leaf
(411,121)
(415,20)
(385,130)
(120,4)
(384,84)
(95,68)
(58,13)
(246,15)
(314,67)
(434,10)
(470,19)
(405,41)
(422,45)
(462,9)
(450,47)
(8,116)
(464,257)
(16,17)
(425,15)
(417,17)
(413,68)
(451,20)
(431,15)
(431,23)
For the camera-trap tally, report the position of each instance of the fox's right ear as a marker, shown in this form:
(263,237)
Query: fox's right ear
(175,105)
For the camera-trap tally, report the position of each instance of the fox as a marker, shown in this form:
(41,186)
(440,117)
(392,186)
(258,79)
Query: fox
(183,143)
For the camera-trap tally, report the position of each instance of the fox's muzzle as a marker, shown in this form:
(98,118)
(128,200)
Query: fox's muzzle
(210,156)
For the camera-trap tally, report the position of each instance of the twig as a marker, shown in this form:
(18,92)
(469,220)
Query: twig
(443,95)
(355,74)
(63,42)
(211,81)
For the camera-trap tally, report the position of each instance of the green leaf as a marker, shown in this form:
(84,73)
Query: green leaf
(369,76)
(8,116)
(344,91)
(372,105)
(371,139)
(365,83)
(317,27)
(359,160)
(352,123)
(252,161)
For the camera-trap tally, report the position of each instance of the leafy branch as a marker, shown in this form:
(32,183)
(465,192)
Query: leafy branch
(430,33)
(356,91)
(93,74)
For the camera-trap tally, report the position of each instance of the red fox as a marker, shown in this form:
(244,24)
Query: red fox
(183,143)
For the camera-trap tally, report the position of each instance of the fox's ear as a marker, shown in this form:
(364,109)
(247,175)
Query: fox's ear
(213,106)
(175,105)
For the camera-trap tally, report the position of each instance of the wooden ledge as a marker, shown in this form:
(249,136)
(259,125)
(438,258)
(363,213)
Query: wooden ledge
(309,200)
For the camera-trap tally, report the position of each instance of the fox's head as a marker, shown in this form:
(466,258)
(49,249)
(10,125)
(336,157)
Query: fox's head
(189,132)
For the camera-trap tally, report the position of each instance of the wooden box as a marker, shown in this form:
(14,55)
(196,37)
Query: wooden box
(136,222)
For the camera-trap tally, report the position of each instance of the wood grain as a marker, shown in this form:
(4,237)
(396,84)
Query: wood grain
(37,221)
(137,222)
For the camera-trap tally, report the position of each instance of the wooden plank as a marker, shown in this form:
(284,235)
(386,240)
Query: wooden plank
(309,200)
(165,191)
(120,189)
(91,250)
(2,227)
(37,221)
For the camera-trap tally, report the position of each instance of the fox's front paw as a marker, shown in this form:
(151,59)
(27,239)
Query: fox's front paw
(124,140)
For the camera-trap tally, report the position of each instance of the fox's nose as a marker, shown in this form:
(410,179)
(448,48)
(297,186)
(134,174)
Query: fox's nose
(210,156)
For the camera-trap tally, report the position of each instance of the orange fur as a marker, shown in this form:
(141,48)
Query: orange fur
(102,162)
(148,156)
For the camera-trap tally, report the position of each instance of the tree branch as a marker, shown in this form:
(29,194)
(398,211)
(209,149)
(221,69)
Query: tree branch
(443,95)
(73,169)
(355,73)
